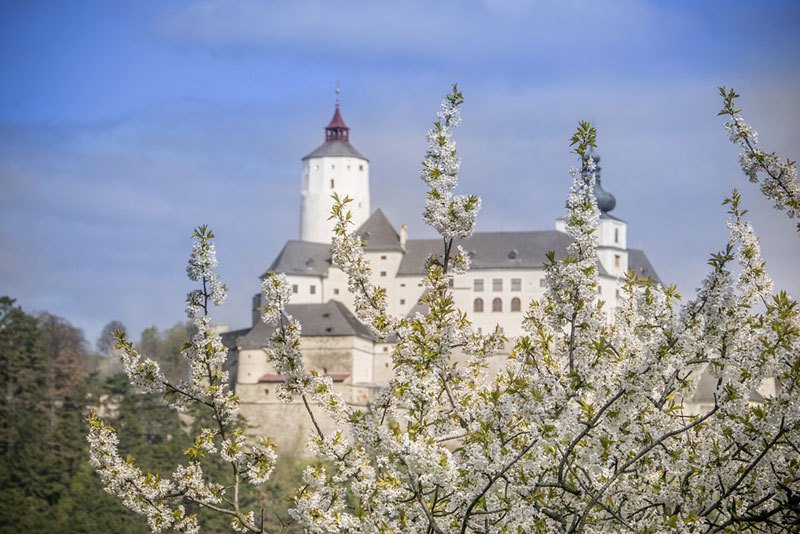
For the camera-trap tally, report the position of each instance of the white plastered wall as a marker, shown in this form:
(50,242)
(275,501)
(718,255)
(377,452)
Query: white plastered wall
(323,176)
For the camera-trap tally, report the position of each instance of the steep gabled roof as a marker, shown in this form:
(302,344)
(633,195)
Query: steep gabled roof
(641,266)
(330,318)
(302,258)
(379,234)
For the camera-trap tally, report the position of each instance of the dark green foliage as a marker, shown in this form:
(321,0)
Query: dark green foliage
(46,483)
(165,348)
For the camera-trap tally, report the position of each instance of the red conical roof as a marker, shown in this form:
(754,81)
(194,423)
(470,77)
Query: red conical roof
(337,121)
(337,130)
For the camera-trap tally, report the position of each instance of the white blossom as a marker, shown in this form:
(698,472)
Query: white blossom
(585,428)
(161,499)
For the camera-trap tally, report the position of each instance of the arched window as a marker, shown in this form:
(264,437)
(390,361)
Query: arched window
(516,304)
(497,305)
(477,305)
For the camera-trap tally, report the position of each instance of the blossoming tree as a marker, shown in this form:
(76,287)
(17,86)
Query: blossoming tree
(582,430)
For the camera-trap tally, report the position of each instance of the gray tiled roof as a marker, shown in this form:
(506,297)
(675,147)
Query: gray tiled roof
(335,148)
(379,234)
(229,338)
(641,266)
(331,318)
(492,250)
(302,258)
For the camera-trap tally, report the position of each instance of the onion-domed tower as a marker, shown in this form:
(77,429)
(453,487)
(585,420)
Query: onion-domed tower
(605,200)
(612,241)
(335,166)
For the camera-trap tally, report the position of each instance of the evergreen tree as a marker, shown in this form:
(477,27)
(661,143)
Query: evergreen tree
(105,342)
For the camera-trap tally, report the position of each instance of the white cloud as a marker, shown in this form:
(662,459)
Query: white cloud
(457,30)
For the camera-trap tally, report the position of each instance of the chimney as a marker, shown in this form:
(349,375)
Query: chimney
(256,308)
(403,235)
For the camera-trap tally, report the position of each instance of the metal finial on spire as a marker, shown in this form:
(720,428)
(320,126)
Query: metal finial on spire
(338,91)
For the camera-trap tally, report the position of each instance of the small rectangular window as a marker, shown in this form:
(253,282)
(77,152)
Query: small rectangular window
(336,291)
(402,285)
(295,289)
(360,167)
(516,284)
(497,284)
(451,282)
(616,235)
(312,289)
(402,301)
(332,184)
(477,284)
(383,257)
(383,273)
(599,290)
(617,260)
(542,282)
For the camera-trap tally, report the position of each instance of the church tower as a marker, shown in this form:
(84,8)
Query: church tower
(612,241)
(335,166)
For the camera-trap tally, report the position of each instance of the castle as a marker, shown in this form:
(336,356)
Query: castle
(506,273)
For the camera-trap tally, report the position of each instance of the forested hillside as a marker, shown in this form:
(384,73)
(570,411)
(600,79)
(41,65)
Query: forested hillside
(51,378)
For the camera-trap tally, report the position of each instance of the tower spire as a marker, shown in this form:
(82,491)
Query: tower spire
(337,130)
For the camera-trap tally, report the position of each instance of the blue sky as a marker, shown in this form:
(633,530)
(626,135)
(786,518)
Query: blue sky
(124,125)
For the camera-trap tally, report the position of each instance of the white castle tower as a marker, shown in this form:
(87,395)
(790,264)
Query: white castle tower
(335,166)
